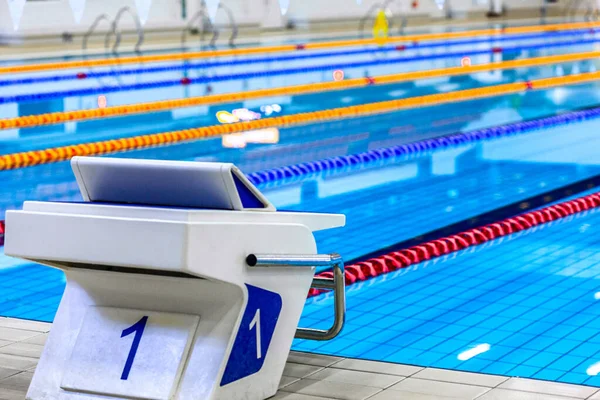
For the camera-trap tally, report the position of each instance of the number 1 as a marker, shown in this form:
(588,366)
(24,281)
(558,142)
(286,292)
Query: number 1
(256,322)
(138,328)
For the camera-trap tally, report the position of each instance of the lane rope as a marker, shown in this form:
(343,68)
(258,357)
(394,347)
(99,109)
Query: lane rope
(301,171)
(287,48)
(37,157)
(397,260)
(185,81)
(303,56)
(295,173)
(119,111)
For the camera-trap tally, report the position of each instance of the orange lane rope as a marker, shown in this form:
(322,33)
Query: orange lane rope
(81,115)
(283,48)
(30,158)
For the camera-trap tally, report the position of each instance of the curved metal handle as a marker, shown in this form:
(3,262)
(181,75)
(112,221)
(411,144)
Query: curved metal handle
(232,23)
(117,32)
(572,7)
(337,284)
(92,28)
(199,17)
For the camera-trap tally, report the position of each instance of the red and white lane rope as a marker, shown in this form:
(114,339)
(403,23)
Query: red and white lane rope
(396,260)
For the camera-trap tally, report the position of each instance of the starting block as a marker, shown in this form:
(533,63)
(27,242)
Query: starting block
(183,282)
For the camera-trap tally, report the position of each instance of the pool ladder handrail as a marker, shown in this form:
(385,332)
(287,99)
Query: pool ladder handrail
(337,284)
(114,30)
(117,32)
(92,28)
(202,19)
(573,6)
(385,7)
(88,34)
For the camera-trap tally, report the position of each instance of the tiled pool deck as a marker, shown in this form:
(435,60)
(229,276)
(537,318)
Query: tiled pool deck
(315,377)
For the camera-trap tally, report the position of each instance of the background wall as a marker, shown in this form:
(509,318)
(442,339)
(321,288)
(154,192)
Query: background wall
(55,16)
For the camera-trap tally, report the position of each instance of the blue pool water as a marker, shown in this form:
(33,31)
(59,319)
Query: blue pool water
(526,303)
(530,300)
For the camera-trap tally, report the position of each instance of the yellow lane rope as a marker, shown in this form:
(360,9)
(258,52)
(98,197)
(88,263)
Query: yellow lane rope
(283,48)
(30,158)
(82,115)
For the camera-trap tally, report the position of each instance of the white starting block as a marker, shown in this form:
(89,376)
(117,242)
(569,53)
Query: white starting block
(183,282)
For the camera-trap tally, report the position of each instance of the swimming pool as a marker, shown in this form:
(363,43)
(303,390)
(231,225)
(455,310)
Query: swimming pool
(522,305)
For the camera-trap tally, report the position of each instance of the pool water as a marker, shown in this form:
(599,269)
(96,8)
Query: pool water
(524,305)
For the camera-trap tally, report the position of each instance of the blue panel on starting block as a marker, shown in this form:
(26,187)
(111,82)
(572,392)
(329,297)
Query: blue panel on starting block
(254,335)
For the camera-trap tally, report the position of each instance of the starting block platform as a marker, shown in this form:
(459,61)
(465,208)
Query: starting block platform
(183,282)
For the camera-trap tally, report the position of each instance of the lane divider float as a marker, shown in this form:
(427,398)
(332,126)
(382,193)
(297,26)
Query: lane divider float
(296,172)
(10,69)
(187,66)
(185,81)
(119,111)
(396,260)
(37,157)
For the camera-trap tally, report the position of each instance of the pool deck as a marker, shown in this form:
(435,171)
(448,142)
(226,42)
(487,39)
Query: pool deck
(315,377)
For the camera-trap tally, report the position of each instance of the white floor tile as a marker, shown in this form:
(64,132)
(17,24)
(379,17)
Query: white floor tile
(398,395)
(300,370)
(312,359)
(23,349)
(377,367)
(380,381)
(39,339)
(286,381)
(436,388)
(25,324)
(328,389)
(20,381)
(6,372)
(504,394)
(552,388)
(296,396)
(595,396)
(17,362)
(446,375)
(16,335)
(10,394)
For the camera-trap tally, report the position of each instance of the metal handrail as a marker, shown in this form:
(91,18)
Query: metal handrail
(337,284)
(232,23)
(90,31)
(573,7)
(117,32)
(201,17)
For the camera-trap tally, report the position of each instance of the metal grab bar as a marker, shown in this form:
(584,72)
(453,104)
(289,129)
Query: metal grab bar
(201,17)
(573,7)
(203,20)
(90,31)
(232,23)
(117,32)
(88,34)
(337,284)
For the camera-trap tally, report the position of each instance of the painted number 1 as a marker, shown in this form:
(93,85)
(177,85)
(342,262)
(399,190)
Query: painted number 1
(256,323)
(138,329)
